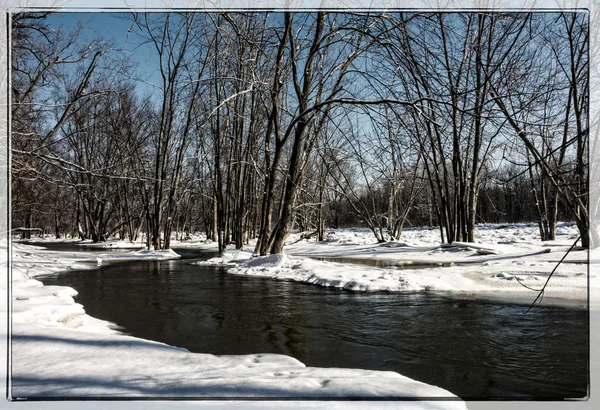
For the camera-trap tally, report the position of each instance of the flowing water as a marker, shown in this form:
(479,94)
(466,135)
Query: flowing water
(474,349)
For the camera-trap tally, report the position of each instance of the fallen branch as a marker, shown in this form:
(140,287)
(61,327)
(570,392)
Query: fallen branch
(540,295)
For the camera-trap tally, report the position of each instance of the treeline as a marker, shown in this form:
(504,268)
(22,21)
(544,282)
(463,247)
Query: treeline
(248,125)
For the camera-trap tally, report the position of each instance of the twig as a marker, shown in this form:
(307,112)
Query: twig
(525,286)
(541,294)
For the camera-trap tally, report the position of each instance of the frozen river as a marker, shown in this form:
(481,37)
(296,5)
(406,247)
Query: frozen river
(474,349)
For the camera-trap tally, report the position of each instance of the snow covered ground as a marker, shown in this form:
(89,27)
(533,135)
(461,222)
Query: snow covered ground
(58,350)
(507,262)
(197,241)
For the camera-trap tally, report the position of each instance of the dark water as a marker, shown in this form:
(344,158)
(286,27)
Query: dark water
(473,349)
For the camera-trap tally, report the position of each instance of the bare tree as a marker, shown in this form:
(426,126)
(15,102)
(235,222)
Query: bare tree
(572,60)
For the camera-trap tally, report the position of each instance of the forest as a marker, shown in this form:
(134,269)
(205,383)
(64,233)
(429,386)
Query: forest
(249,125)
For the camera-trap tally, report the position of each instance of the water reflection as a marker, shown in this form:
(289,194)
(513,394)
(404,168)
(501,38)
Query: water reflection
(473,349)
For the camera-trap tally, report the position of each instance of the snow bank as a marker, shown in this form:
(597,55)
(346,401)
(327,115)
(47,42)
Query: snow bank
(59,351)
(267,262)
(111,244)
(142,254)
(228,257)
(53,306)
(50,306)
(50,362)
(504,259)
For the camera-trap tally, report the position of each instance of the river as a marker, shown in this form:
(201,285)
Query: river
(475,349)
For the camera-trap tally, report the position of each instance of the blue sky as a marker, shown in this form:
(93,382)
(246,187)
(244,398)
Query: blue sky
(110,25)
(114,28)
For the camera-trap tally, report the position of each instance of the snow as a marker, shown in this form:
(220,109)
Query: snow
(58,350)
(505,258)
(228,257)
(144,254)
(62,362)
(112,244)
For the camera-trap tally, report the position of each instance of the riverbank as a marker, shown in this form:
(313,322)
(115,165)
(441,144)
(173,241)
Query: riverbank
(59,351)
(507,263)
